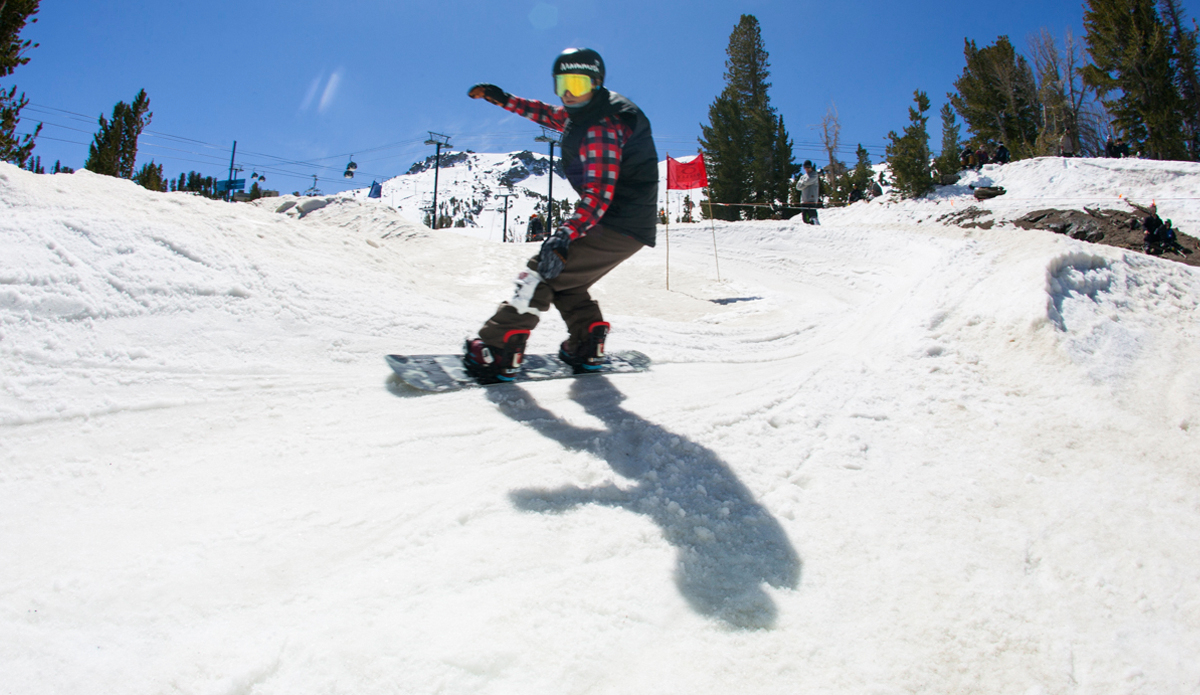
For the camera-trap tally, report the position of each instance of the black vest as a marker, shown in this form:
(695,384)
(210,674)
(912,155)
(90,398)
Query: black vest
(634,207)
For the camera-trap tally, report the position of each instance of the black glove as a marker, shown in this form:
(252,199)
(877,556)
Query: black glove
(553,255)
(491,92)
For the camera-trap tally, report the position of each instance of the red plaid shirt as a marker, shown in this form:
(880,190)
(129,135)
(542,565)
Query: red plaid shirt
(599,154)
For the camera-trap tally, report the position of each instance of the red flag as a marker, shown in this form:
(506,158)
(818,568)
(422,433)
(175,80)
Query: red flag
(682,177)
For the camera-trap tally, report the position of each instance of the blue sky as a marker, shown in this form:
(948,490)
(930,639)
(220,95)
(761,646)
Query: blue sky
(303,85)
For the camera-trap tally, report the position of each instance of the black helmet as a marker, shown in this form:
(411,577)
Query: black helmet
(580,61)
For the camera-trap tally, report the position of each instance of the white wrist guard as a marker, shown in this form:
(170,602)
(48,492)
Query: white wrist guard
(527,282)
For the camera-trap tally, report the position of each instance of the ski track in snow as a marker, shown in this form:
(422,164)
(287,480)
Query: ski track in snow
(879,455)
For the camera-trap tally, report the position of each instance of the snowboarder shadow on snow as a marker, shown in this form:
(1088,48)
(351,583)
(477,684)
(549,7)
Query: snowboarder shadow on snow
(728,544)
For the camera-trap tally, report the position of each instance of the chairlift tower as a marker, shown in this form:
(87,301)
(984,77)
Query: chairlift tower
(551,137)
(506,196)
(440,141)
(232,156)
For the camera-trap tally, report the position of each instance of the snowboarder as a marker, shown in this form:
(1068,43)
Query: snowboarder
(609,158)
(809,185)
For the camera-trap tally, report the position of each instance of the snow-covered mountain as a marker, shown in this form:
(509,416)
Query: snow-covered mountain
(470,186)
(469,189)
(887,454)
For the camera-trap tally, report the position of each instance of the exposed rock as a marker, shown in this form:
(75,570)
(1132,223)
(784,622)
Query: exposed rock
(1119,228)
(969,218)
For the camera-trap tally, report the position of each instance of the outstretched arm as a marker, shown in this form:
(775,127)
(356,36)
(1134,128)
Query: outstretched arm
(553,117)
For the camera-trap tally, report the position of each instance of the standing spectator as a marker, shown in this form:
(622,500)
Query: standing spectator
(1122,148)
(1067,146)
(535,231)
(1110,148)
(1002,156)
(809,185)
(876,188)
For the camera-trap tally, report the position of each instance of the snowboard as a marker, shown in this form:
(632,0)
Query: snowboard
(436,373)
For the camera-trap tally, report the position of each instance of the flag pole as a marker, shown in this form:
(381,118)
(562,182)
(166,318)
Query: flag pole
(668,222)
(713,222)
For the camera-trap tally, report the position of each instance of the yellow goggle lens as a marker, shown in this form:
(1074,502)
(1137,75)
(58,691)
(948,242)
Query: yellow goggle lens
(577,85)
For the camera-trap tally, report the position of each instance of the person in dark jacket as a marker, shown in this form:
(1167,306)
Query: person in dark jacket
(1002,155)
(1159,237)
(609,158)
(535,231)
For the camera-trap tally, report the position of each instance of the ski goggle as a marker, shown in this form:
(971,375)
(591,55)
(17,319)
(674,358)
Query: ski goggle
(577,85)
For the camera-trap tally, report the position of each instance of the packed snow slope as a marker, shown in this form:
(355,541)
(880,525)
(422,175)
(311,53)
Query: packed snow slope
(880,455)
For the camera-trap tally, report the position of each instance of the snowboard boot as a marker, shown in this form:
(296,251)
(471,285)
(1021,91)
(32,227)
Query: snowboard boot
(588,355)
(490,365)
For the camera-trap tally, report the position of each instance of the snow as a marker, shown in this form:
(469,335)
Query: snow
(880,455)
(474,182)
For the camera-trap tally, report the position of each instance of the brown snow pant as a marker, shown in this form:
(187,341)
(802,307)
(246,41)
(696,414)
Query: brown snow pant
(589,258)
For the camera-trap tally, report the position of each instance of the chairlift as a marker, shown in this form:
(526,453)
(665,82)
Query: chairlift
(350,168)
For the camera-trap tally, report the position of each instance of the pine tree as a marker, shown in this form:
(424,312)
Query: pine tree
(14,14)
(908,155)
(948,163)
(786,168)
(852,185)
(1133,62)
(195,182)
(150,177)
(725,145)
(113,151)
(746,144)
(1187,72)
(996,95)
